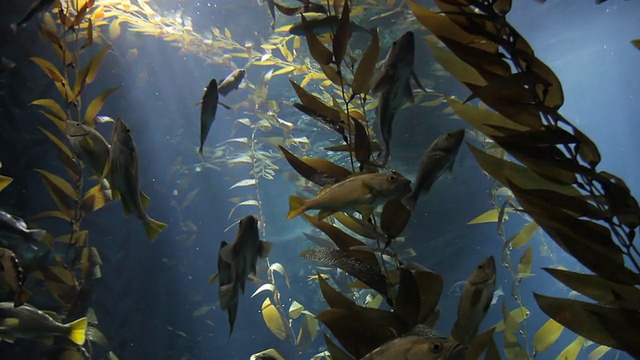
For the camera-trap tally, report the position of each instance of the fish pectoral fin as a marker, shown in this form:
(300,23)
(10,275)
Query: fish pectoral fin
(265,248)
(9,323)
(383,82)
(47,340)
(154,228)
(224,105)
(408,93)
(213,278)
(8,338)
(78,331)
(417,80)
(323,214)
(144,200)
(296,206)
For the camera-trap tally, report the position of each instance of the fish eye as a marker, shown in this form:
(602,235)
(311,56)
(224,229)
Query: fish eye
(436,347)
(392,178)
(479,267)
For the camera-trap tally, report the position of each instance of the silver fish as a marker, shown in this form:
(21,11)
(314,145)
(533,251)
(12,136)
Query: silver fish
(27,322)
(89,145)
(438,159)
(14,227)
(231,82)
(475,301)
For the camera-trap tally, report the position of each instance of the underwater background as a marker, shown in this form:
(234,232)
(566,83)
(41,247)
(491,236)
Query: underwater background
(153,299)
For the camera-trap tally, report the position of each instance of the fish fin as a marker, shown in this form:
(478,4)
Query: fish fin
(37,234)
(201,151)
(144,200)
(153,228)
(8,338)
(9,323)
(21,297)
(213,278)
(224,105)
(14,28)
(53,315)
(417,80)
(296,206)
(408,93)
(265,248)
(106,170)
(323,214)
(78,331)
(382,83)
(115,195)
(227,293)
(226,253)
(47,340)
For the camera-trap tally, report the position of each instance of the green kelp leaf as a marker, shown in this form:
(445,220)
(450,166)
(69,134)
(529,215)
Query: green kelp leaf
(599,289)
(407,301)
(242,183)
(366,66)
(308,331)
(4,182)
(94,199)
(317,50)
(49,69)
(603,325)
(274,320)
(307,169)
(60,190)
(64,154)
(336,352)
(489,216)
(265,287)
(512,347)
(295,309)
(56,111)
(547,335)
(524,267)
(277,267)
(518,314)
(430,289)
(272,354)
(598,352)
(524,235)
(479,344)
(349,263)
(487,121)
(96,105)
(249,202)
(394,218)
(572,350)
(462,71)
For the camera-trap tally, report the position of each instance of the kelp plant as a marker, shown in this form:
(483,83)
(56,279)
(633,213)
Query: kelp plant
(588,213)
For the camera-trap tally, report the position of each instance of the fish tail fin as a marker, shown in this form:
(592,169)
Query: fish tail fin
(21,297)
(296,206)
(201,151)
(14,27)
(78,331)
(153,228)
(37,234)
(265,248)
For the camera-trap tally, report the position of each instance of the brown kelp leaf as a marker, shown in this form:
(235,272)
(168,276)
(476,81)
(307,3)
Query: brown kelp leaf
(60,190)
(4,182)
(317,50)
(487,121)
(430,285)
(334,298)
(90,70)
(72,168)
(324,120)
(374,146)
(96,105)
(362,144)
(309,172)
(479,344)
(358,226)
(342,36)
(94,199)
(332,74)
(550,92)
(328,167)
(511,87)
(57,274)
(407,301)
(579,207)
(366,66)
(336,352)
(459,69)
(621,203)
(352,265)
(601,290)
(58,46)
(288,11)
(49,69)
(82,12)
(394,218)
(89,34)
(604,325)
(587,149)
(316,105)
(547,335)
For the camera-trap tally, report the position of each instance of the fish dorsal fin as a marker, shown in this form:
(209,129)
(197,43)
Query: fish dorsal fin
(408,93)
(144,200)
(384,81)
(226,252)
(417,80)
(52,315)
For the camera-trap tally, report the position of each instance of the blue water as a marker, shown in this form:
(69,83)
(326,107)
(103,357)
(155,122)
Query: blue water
(148,292)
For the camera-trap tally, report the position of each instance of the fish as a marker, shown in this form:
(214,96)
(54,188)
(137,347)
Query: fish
(37,7)
(272,11)
(225,276)
(242,256)
(438,159)
(231,82)
(6,64)
(308,6)
(456,290)
(394,88)
(27,322)
(13,275)
(418,347)
(88,145)
(208,112)
(14,227)
(475,301)
(122,174)
(364,189)
(323,25)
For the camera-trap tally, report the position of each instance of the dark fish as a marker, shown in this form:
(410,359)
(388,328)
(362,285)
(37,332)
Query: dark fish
(308,6)
(231,82)
(394,87)
(89,145)
(438,159)
(35,8)
(418,347)
(475,301)
(272,10)
(6,64)
(124,179)
(14,227)
(27,322)
(322,25)
(350,264)
(242,256)
(208,111)
(225,277)
(13,275)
